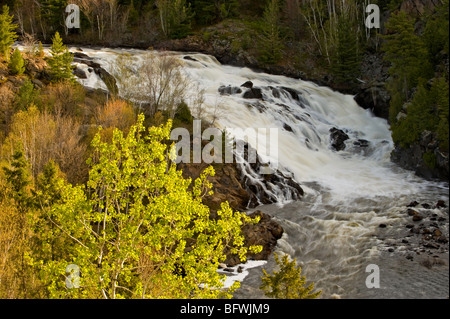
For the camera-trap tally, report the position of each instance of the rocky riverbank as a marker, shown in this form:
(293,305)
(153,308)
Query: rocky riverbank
(425,236)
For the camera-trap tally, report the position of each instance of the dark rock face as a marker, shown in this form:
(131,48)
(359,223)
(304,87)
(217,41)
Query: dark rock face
(414,158)
(371,93)
(338,138)
(79,73)
(266,188)
(109,80)
(253,93)
(375,98)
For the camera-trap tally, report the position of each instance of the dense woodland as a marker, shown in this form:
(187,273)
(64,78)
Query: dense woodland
(74,188)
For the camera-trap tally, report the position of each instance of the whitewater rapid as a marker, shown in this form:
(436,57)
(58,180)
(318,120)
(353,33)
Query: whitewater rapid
(334,231)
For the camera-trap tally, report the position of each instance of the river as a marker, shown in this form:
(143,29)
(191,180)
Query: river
(353,213)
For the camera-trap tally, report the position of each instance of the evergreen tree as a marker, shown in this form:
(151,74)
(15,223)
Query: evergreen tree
(7,34)
(270,40)
(208,12)
(436,33)
(61,61)
(345,60)
(16,64)
(175,17)
(287,283)
(53,12)
(408,57)
(18,176)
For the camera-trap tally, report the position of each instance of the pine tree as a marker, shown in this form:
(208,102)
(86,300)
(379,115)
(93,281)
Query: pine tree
(407,54)
(287,283)
(61,61)
(7,34)
(270,40)
(19,178)
(208,12)
(345,61)
(175,17)
(16,64)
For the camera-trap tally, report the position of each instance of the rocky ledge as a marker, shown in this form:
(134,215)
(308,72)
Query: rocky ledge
(425,158)
(230,184)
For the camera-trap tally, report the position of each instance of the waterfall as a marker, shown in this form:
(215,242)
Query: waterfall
(352,212)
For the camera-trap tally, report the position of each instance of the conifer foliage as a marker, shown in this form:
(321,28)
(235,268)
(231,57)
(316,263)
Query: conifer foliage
(61,61)
(287,283)
(16,64)
(7,34)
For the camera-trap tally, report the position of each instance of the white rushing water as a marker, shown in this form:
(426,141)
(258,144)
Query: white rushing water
(334,230)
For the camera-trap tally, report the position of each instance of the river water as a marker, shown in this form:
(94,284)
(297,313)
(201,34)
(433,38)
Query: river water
(353,211)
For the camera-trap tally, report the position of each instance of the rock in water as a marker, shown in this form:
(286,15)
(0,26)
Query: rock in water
(254,93)
(338,138)
(248,85)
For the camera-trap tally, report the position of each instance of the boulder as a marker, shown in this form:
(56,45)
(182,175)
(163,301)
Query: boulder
(248,85)
(253,93)
(79,73)
(338,138)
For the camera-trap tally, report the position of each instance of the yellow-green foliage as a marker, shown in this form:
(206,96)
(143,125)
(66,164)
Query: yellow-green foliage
(287,283)
(136,231)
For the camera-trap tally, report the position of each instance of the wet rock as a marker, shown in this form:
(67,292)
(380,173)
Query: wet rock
(442,240)
(362,143)
(412,212)
(293,93)
(288,128)
(413,204)
(248,85)
(79,73)
(338,138)
(382,226)
(417,218)
(229,90)
(437,233)
(254,93)
(240,270)
(189,58)
(257,105)
(426,206)
(441,204)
